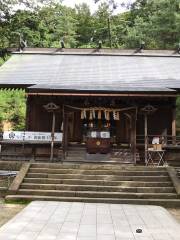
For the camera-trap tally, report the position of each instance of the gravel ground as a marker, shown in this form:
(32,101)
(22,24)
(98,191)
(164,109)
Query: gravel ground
(7,211)
(175,212)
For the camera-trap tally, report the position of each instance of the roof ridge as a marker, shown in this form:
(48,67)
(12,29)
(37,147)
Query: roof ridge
(96,52)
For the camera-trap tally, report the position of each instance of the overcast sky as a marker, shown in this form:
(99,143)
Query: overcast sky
(92,5)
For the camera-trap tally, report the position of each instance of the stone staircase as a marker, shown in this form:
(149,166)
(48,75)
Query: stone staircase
(96,183)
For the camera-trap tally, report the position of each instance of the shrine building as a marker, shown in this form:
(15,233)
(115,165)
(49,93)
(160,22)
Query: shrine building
(108,105)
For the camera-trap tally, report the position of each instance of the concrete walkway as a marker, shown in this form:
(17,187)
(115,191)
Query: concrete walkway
(90,221)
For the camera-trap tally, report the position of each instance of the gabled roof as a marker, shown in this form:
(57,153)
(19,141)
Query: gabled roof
(93,70)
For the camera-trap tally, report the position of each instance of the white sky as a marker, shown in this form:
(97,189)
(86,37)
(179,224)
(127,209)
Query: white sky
(93,6)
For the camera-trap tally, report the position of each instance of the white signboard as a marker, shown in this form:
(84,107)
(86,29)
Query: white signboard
(31,136)
(155,140)
(93,134)
(13,135)
(105,134)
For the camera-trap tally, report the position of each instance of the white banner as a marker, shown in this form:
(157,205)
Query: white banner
(31,136)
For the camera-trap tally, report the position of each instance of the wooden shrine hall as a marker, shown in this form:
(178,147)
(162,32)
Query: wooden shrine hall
(109,105)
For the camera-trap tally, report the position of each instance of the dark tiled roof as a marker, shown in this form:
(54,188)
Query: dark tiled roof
(103,71)
(97,87)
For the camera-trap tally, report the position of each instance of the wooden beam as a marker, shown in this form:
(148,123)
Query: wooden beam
(102,94)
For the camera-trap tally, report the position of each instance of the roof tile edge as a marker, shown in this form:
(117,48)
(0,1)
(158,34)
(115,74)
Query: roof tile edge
(96,52)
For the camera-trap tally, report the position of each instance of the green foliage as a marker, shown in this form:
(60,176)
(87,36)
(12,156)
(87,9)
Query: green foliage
(13,108)
(84,27)
(157,23)
(57,22)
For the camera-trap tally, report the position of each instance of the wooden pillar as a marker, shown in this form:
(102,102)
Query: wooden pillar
(52,135)
(63,136)
(145,136)
(174,126)
(65,133)
(27,127)
(133,134)
(133,118)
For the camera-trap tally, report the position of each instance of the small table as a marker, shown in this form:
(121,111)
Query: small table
(151,154)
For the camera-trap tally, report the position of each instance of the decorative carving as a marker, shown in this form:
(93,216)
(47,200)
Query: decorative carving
(148,109)
(51,107)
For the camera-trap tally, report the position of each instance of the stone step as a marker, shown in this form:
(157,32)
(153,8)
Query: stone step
(92,194)
(77,148)
(96,166)
(90,161)
(98,172)
(117,150)
(160,202)
(67,187)
(82,150)
(76,154)
(97,182)
(75,158)
(99,177)
(108,161)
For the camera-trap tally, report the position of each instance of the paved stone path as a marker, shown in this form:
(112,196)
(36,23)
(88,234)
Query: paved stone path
(90,221)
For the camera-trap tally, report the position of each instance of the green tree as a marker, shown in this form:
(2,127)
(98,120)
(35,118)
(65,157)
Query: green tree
(13,108)
(102,30)
(85,26)
(155,22)
(57,22)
